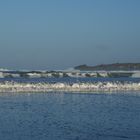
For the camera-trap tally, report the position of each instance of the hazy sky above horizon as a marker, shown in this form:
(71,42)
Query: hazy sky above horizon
(58,34)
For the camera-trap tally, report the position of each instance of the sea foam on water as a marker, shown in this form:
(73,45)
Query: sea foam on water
(69,87)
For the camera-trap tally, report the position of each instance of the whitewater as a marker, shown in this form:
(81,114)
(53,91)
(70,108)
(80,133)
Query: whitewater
(69,81)
(11,86)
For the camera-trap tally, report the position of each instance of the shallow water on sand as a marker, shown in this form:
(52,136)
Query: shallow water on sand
(69,116)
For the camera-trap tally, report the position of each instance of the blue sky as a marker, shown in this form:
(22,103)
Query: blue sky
(58,34)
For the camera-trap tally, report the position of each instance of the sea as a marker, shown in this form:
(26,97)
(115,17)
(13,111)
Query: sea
(68,114)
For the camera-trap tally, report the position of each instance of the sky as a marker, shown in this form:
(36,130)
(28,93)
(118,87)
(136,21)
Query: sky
(59,34)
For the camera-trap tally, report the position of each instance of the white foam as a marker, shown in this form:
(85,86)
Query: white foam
(75,87)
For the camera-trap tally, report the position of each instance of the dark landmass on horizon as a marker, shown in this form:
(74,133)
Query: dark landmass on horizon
(110,67)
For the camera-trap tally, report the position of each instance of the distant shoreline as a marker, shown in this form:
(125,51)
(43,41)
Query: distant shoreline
(110,67)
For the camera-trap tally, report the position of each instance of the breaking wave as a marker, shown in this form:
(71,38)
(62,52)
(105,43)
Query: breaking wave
(74,74)
(9,86)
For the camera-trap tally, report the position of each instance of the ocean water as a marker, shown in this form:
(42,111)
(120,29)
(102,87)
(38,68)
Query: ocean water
(70,115)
